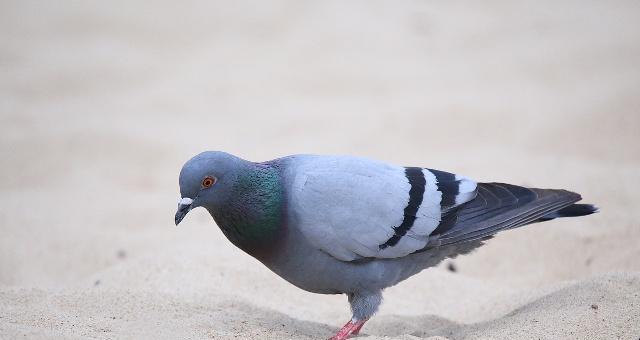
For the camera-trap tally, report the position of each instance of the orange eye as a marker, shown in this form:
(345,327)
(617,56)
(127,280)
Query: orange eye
(208,181)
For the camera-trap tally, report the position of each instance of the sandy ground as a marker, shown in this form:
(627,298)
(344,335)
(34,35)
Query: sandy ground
(102,102)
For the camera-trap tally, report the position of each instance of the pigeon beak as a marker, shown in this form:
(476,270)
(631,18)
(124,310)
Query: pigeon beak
(184,206)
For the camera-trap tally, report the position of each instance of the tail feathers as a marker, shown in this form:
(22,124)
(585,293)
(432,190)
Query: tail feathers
(500,206)
(573,210)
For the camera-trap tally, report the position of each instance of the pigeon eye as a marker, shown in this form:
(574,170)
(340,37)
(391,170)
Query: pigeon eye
(208,181)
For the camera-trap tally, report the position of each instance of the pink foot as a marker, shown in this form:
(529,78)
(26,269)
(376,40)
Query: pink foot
(351,328)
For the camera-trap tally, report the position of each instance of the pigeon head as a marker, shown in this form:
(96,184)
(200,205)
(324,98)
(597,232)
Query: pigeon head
(207,180)
(244,198)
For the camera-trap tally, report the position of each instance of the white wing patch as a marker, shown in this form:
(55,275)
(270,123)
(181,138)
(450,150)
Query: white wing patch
(466,189)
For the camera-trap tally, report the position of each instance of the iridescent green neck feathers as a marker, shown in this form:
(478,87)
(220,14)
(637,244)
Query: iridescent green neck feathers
(252,217)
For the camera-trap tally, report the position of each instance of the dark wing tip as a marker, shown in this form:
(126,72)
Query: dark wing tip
(577,210)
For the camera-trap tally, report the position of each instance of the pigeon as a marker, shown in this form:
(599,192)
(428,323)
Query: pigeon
(355,226)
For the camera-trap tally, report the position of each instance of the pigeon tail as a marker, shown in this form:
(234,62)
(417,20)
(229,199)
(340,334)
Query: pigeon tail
(573,210)
(500,206)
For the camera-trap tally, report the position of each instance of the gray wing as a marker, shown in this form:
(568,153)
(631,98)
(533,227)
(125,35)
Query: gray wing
(353,207)
(497,207)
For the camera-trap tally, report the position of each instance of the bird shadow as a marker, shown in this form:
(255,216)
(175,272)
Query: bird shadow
(280,325)
(422,326)
(536,314)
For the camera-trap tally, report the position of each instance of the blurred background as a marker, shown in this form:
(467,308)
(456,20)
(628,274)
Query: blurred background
(102,102)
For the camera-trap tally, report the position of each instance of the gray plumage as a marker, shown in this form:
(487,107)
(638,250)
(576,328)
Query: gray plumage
(340,224)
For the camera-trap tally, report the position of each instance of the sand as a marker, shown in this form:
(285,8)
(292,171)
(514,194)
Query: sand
(102,102)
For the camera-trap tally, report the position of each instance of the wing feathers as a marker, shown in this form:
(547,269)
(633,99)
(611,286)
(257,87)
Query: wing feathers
(499,207)
(416,194)
(448,186)
(353,208)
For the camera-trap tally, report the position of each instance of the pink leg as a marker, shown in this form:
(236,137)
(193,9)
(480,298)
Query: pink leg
(351,328)
(359,325)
